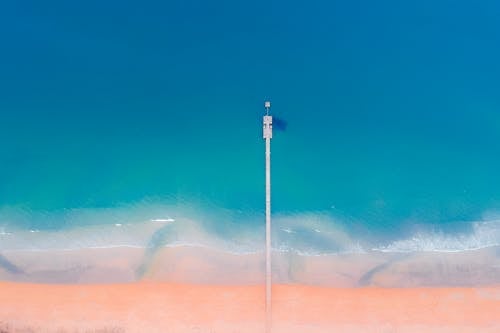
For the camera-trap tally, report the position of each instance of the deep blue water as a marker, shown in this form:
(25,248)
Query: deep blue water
(392,110)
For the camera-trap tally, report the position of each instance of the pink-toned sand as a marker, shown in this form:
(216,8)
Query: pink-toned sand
(168,307)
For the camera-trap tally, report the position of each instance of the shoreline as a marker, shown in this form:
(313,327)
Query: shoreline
(242,253)
(201,265)
(168,307)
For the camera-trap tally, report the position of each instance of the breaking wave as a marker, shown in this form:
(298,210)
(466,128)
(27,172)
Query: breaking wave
(483,234)
(156,225)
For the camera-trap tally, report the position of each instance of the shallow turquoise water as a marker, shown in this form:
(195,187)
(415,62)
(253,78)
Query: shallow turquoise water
(392,109)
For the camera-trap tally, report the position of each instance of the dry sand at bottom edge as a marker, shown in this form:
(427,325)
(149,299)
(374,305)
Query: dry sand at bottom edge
(167,307)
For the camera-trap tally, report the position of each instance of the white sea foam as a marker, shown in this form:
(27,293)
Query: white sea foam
(163,220)
(484,234)
(148,225)
(80,237)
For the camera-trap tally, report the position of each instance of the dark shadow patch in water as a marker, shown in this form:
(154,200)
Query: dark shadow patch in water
(279,124)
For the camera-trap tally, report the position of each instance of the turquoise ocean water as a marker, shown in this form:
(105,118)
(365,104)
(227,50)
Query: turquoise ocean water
(117,116)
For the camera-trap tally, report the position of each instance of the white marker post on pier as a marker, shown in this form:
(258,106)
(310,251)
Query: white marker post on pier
(268,135)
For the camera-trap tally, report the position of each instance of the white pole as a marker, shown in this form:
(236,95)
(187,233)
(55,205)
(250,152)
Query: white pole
(268,134)
(268,231)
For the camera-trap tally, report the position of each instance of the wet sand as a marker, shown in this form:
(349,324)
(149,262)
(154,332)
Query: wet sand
(198,265)
(167,307)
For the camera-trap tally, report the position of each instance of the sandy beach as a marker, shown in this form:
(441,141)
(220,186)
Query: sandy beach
(193,289)
(166,307)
